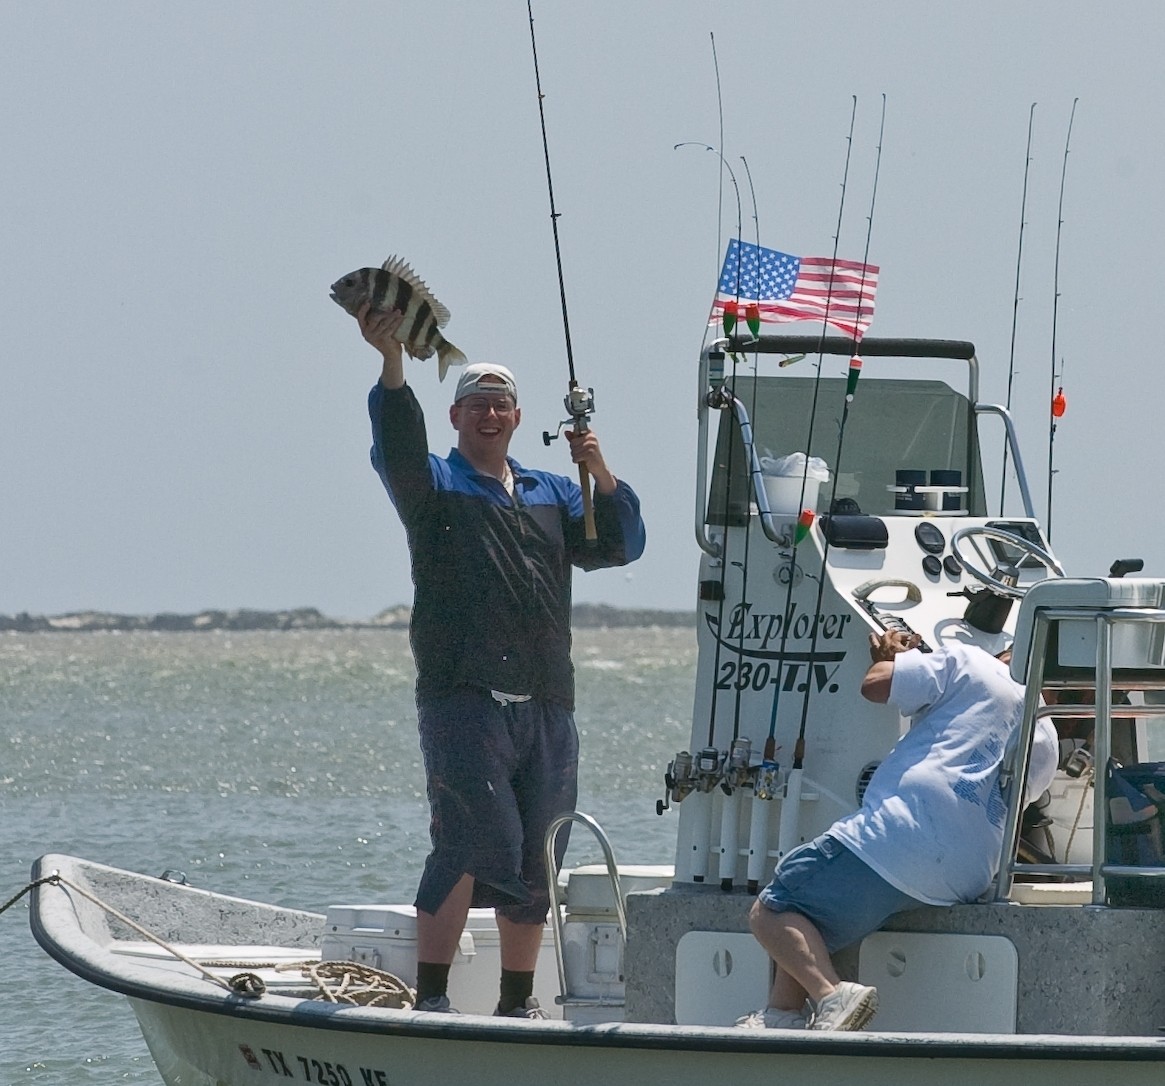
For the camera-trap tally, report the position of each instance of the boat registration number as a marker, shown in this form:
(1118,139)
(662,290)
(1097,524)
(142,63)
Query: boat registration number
(307,1069)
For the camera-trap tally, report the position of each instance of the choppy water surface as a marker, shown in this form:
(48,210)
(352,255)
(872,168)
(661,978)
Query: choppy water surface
(280,766)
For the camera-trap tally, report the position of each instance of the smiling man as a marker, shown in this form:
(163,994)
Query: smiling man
(492,545)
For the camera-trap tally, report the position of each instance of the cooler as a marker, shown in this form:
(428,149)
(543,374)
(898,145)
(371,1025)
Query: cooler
(385,937)
(592,943)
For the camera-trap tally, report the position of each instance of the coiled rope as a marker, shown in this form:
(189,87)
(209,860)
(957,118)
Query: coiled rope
(351,982)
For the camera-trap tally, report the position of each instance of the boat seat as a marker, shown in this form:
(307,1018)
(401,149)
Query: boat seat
(1088,594)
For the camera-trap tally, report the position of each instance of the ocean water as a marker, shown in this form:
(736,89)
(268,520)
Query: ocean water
(281,766)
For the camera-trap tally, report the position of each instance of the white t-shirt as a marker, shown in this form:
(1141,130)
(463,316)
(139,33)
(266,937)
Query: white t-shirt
(931,822)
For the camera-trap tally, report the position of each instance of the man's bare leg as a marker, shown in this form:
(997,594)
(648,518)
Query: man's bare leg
(804,967)
(439,933)
(520,944)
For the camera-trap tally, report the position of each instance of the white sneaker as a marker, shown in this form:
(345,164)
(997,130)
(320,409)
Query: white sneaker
(530,1009)
(772,1018)
(848,1007)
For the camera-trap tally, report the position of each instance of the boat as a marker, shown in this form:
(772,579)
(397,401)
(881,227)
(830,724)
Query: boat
(879,521)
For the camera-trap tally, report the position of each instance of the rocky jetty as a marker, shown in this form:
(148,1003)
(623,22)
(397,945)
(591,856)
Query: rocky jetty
(586,616)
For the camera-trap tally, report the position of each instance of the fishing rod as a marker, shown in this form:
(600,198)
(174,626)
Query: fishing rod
(851,385)
(732,771)
(720,175)
(725,167)
(1015,302)
(1057,398)
(770,741)
(749,450)
(579,402)
(737,771)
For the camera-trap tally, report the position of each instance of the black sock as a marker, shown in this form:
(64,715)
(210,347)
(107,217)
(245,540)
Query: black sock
(432,979)
(516,988)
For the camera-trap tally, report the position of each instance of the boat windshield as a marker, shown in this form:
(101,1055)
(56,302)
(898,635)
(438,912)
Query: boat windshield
(893,425)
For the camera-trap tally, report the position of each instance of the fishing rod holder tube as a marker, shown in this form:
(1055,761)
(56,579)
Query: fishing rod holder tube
(764,788)
(729,839)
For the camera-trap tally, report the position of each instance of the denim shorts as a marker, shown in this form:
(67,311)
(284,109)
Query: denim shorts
(497,774)
(845,898)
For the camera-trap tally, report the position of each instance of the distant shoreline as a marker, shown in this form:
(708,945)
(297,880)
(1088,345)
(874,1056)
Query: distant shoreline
(585,616)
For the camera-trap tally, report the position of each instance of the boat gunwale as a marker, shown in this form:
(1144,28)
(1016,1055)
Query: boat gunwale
(101,966)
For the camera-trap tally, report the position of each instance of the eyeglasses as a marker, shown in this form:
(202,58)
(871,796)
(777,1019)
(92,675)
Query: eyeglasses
(479,405)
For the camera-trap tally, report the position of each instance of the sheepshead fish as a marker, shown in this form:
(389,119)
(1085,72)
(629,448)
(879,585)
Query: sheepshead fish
(395,285)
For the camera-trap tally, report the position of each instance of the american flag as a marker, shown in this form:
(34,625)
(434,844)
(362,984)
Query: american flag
(797,288)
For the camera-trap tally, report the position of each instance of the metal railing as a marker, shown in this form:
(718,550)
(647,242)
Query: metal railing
(1145,675)
(557,918)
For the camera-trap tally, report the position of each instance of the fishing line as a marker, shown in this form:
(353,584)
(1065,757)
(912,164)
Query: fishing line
(1055,308)
(579,403)
(799,751)
(1015,303)
(786,618)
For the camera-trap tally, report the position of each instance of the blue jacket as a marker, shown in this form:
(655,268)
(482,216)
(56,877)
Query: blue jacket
(492,573)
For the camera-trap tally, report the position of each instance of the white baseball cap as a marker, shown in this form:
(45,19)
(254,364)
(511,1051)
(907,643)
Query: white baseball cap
(485,378)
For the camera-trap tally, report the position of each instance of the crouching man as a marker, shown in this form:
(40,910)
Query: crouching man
(929,831)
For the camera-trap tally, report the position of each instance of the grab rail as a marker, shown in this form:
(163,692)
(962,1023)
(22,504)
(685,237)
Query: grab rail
(552,881)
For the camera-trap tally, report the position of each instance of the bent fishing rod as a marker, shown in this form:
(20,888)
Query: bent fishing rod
(1056,399)
(1015,303)
(579,401)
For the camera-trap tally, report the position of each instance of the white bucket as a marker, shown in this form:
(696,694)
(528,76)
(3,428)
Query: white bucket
(784,493)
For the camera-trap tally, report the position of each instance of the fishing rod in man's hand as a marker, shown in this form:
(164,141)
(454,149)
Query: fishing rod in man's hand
(579,401)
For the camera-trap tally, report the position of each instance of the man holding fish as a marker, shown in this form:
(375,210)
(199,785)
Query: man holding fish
(492,545)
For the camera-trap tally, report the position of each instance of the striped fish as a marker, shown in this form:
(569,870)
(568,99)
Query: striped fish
(395,285)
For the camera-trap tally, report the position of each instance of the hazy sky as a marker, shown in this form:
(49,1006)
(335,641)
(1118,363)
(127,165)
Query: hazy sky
(183,420)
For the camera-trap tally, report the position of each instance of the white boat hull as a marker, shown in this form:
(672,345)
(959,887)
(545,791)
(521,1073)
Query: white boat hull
(200,1034)
(202,1049)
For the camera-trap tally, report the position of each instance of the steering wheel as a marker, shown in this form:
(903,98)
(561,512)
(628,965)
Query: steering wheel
(1026,548)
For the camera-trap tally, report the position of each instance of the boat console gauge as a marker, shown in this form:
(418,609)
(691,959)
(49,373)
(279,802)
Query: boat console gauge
(929,537)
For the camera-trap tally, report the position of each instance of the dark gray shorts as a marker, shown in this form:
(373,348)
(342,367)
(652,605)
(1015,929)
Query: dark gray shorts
(497,775)
(845,898)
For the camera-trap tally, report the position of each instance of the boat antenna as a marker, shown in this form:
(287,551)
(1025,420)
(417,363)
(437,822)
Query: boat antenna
(770,741)
(1053,414)
(851,385)
(1015,302)
(579,402)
